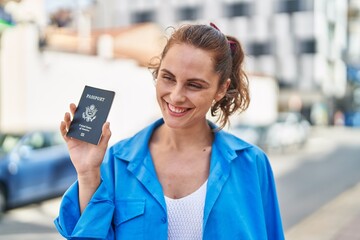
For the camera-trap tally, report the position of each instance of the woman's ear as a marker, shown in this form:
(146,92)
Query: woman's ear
(222,90)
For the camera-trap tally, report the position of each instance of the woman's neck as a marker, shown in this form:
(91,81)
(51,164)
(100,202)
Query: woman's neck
(179,139)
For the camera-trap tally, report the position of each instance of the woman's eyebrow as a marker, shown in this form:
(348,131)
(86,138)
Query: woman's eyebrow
(190,79)
(199,80)
(167,71)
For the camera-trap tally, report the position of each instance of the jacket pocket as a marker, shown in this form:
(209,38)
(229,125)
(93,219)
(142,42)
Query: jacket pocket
(129,218)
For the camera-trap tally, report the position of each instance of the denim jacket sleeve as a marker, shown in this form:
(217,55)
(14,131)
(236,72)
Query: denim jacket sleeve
(96,220)
(269,198)
(241,201)
(246,206)
(129,202)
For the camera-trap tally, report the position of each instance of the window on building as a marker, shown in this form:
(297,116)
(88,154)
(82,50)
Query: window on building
(291,6)
(307,46)
(143,16)
(189,13)
(238,9)
(259,48)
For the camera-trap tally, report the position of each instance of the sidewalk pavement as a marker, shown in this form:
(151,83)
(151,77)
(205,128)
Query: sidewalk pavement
(337,220)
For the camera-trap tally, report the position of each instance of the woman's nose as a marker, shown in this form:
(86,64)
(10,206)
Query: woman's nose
(177,94)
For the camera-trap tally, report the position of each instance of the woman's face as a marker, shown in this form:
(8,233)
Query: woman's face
(187,85)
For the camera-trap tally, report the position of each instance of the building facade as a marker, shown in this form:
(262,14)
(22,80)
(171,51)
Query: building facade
(299,42)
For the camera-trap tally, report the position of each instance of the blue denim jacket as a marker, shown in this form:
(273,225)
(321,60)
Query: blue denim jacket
(241,201)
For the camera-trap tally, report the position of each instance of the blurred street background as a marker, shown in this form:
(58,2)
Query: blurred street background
(303,64)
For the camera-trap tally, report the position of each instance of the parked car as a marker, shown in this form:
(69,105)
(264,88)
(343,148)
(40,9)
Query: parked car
(251,133)
(352,119)
(33,167)
(290,129)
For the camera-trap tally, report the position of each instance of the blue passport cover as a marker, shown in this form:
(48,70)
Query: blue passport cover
(90,115)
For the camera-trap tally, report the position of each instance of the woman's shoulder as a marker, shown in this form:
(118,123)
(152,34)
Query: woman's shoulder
(236,142)
(139,141)
(242,148)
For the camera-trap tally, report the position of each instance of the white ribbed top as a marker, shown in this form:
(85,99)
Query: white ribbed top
(185,215)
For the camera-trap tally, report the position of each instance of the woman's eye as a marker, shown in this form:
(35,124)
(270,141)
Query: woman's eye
(194,85)
(169,78)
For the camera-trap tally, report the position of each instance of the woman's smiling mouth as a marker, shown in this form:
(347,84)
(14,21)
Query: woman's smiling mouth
(177,110)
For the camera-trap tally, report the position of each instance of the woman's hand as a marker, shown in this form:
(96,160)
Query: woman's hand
(86,158)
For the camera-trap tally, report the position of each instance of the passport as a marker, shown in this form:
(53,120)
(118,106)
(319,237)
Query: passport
(90,114)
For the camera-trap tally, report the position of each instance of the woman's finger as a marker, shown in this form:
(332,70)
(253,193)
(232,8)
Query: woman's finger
(67,120)
(106,134)
(72,109)
(63,130)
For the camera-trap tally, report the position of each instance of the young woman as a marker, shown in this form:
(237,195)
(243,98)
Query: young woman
(182,177)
